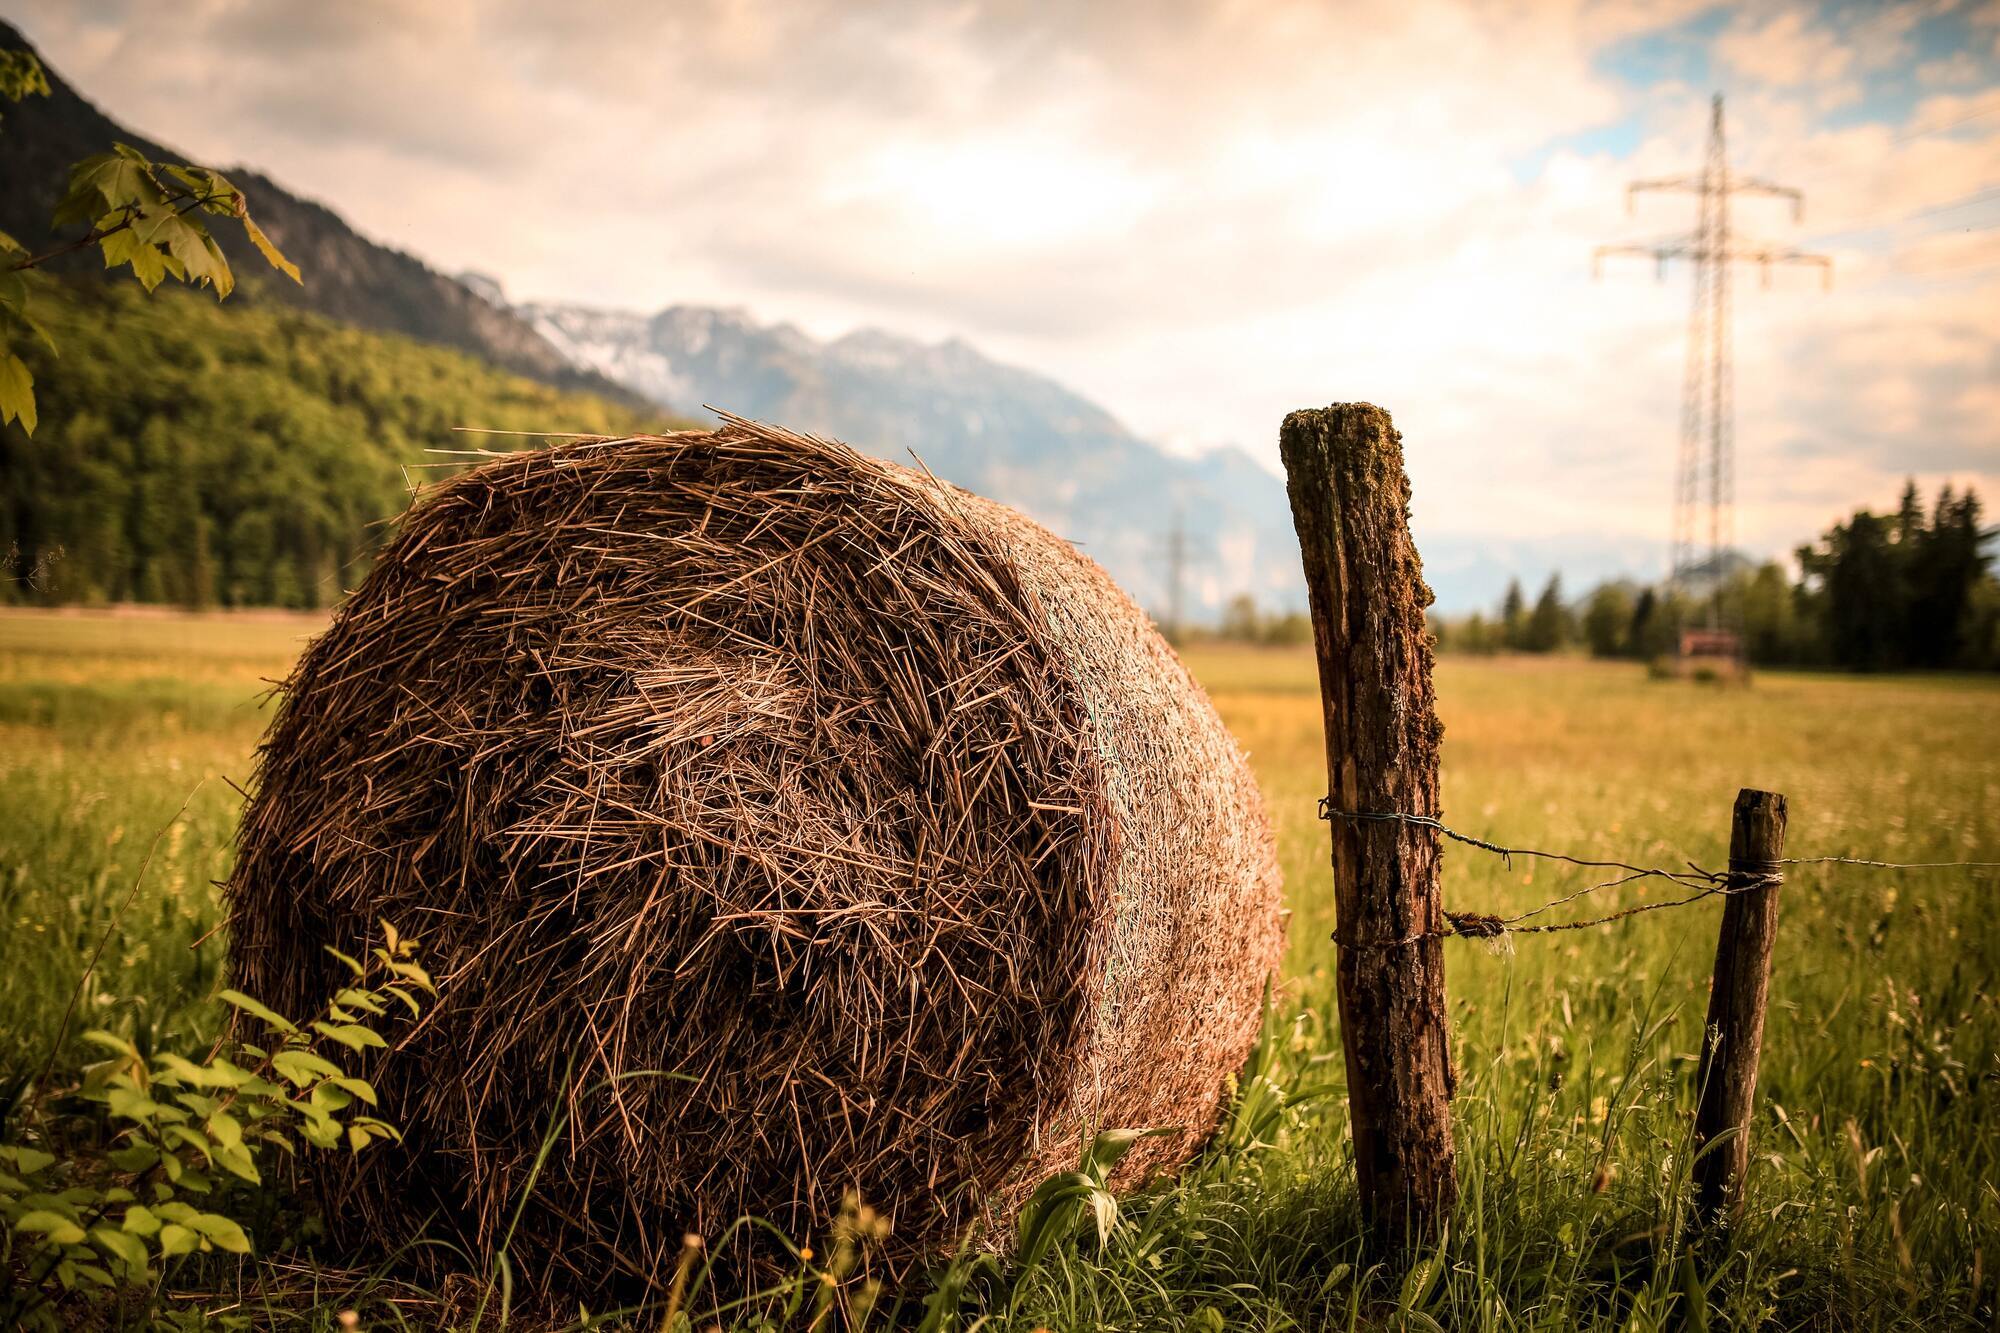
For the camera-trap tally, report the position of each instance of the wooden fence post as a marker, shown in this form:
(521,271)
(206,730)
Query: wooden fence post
(1734,1037)
(1350,501)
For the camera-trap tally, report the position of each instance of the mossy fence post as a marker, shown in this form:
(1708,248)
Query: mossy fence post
(1734,1037)
(1350,502)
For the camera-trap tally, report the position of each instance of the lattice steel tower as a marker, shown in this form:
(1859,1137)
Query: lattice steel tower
(1705,471)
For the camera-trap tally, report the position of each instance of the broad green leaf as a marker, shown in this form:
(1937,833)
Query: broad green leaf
(140,1220)
(224,278)
(134,1158)
(182,239)
(322,1133)
(177,1239)
(30,1160)
(149,266)
(270,251)
(381,1129)
(120,246)
(236,1160)
(259,1011)
(17,392)
(123,1246)
(224,1231)
(238,1076)
(329,1098)
(360,1087)
(299,1067)
(194,1075)
(72,1273)
(9,246)
(198,180)
(223,1130)
(59,1230)
(355,998)
(192,1138)
(352,965)
(131,1104)
(104,183)
(101,1074)
(187,240)
(351,1035)
(408,1000)
(412,972)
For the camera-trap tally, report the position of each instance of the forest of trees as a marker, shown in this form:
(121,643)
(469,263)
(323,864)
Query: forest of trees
(1911,589)
(236,454)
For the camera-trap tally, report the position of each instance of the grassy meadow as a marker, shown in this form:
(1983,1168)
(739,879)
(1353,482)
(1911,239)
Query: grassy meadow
(1873,1199)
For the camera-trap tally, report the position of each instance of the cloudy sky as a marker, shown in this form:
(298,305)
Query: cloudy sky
(1201,213)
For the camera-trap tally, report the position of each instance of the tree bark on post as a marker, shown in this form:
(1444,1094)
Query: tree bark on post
(1350,503)
(1734,1037)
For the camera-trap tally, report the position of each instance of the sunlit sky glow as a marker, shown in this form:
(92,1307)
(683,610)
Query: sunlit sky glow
(1201,214)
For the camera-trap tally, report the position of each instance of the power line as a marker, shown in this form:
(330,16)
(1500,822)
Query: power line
(1908,136)
(1705,469)
(1890,217)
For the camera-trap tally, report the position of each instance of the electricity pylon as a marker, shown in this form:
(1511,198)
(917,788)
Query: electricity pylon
(1707,461)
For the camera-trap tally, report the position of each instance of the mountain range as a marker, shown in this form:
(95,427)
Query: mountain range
(996,429)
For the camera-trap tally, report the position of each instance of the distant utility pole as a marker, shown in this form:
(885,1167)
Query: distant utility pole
(1176,569)
(1707,446)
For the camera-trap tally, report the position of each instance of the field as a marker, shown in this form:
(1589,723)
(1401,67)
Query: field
(1873,1199)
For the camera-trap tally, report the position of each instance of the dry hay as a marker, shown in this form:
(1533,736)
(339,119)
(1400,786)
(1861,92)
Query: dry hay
(867,804)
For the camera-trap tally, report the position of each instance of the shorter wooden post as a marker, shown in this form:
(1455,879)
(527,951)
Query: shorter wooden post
(1735,1034)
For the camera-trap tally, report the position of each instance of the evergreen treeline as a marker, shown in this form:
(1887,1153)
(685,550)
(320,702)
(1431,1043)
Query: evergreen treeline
(1880,592)
(236,455)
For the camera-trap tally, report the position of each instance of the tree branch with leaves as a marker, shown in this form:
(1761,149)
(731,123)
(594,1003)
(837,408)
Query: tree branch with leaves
(141,214)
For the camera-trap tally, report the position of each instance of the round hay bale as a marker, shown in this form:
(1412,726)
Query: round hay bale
(863,803)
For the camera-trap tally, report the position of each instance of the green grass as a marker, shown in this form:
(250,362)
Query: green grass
(107,724)
(1872,1201)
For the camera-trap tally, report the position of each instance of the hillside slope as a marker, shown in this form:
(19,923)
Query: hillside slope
(345,275)
(199,452)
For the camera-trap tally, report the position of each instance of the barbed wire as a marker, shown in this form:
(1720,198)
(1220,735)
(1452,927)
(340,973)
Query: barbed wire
(1705,883)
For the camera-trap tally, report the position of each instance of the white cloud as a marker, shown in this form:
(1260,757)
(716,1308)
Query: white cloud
(1785,50)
